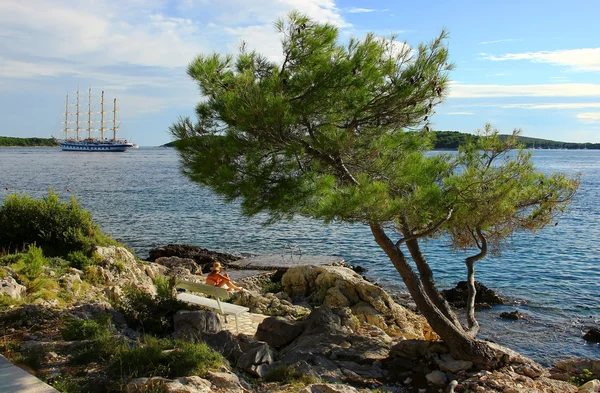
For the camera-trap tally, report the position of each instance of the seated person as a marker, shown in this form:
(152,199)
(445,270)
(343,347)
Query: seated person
(217,279)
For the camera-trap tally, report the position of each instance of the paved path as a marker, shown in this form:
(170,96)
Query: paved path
(274,262)
(248,323)
(13,380)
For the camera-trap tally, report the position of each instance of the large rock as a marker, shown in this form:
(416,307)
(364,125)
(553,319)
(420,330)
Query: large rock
(195,324)
(337,286)
(268,304)
(278,332)
(203,257)
(448,363)
(459,295)
(257,361)
(590,387)
(575,367)
(328,388)
(177,262)
(418,348)
(226,344)
(592,335)
(11,288)
(226,382)
(191,384)
(119,268)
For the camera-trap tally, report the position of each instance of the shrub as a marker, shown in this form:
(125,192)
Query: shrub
(31,264)
(582,378)
(57,227)
(151,314)
(88,329)
(79,260)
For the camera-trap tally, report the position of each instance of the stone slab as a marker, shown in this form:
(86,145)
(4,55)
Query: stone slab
(13,380)
(269,262)
(239,274)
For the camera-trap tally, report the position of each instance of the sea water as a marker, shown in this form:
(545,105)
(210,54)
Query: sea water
(140,197)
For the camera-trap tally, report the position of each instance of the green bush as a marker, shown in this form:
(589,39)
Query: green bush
(32,263)
(151,314)
(57,227)
(88,329)
(79,260)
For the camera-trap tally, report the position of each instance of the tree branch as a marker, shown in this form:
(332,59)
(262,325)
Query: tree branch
(426,232)
(472,323)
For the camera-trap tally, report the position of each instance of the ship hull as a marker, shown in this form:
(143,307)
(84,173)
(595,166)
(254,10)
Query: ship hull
(95,146)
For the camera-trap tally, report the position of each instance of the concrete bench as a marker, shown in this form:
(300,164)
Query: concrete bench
(217,293)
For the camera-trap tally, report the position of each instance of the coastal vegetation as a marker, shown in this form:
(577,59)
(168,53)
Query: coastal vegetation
(340,132)
(452,140)
(26,142)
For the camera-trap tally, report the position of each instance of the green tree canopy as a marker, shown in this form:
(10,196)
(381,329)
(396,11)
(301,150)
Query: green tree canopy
(339,132)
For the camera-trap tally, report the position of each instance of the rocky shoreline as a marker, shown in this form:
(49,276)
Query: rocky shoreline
(324,329)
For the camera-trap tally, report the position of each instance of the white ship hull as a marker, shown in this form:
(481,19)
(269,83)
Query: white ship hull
(95,146)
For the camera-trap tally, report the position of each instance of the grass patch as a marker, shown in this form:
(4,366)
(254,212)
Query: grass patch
(166,358)
(288,375)
(88,329)
(582,378)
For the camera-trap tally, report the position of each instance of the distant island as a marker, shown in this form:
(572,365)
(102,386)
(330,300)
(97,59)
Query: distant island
(451,140)
(6,141)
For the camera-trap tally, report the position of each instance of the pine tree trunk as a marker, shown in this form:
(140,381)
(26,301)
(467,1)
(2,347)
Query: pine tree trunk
(461,345)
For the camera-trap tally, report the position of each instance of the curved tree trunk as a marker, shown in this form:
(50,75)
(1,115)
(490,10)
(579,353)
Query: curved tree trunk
(426,277)
(462,346)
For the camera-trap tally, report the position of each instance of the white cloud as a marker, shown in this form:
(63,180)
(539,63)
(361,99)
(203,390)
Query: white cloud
(460,113)
(585,59)
(589,117)
(564,105)
(358,10)
(498,41)
(458,90)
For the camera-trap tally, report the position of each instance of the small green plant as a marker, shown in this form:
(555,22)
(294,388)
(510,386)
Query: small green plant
(79,260)
(11,259)
(156,386)
(31,265)
(120,265)
(88,329)
(585,376)
(151,314)
(70,384)
(93,275)
(273,287)
(289,375)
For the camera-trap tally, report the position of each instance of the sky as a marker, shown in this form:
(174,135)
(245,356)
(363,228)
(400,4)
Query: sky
(528,64)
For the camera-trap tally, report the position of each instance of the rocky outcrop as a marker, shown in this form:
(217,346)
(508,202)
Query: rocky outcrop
(278,332)
(268,304)
(484,298)
(203,257)
(11,288)
(568,368)
(590,387)
(193,325)
(186,265)
(513,315)
(337,286)
(258,360)
(592,335)
(118,268)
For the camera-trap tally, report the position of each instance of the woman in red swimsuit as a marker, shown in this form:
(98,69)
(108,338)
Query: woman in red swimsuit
(217,279)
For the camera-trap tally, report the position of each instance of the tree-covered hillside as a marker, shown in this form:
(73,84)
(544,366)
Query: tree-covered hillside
(26,142)
(450,140)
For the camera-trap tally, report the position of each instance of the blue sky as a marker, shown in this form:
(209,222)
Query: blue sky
(528,64)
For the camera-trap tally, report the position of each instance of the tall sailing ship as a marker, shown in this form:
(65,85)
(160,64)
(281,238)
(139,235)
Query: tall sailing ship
(90,143)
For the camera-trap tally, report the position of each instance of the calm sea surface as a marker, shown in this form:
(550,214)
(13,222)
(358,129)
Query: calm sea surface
(142,200)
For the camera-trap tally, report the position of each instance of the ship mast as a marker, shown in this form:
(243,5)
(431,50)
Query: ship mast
(90,113)
(102,117)
(77,121)
(115,120)
(67,118)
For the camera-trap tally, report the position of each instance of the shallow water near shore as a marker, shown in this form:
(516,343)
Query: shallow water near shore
(142,200)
